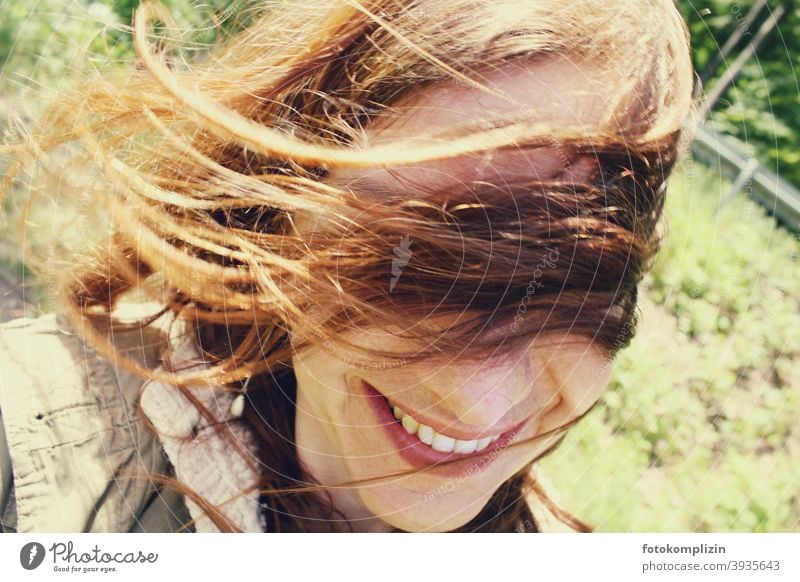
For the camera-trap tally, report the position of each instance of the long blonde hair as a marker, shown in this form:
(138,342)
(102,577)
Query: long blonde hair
(206,161)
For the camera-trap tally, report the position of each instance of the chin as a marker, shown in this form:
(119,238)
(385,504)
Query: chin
(426,513)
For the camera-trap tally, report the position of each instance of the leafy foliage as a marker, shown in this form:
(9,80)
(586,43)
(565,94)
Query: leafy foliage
(41,42)
(760,108)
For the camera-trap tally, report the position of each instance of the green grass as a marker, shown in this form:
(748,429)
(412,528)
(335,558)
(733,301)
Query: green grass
(698,429)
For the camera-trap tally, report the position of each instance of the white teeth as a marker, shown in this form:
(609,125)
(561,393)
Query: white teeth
(465,447)
(443,444)
(440,442)
(484,442)
(410,424)
(426,434)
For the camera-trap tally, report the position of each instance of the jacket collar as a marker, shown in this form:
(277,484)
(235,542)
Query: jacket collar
(204,460)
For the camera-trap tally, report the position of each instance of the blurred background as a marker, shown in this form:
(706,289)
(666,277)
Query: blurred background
(699,428)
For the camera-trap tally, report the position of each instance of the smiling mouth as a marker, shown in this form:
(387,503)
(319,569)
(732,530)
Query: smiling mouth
(436,440)
(404,432)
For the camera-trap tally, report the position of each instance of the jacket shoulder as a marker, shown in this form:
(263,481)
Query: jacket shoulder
(8,518)
(72,428)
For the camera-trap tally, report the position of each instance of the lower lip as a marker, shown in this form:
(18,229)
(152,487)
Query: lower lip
(420,455)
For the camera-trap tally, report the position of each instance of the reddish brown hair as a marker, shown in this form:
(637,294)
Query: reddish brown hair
(212,160)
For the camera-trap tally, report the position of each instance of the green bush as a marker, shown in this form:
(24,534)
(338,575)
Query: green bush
(42,42)
(760,107)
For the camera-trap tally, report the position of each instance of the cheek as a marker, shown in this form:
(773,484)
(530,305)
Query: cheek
(321,395)
(587,383)
(328,409)
(580,386)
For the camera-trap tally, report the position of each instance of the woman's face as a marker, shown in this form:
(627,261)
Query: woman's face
(347,429)
(356,422)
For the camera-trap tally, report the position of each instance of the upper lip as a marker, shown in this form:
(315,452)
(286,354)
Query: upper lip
(450,426)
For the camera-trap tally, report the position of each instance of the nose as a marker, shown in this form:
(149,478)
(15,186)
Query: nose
(484,394)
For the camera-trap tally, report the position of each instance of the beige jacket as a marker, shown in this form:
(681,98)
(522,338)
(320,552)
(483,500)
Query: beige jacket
(71,423)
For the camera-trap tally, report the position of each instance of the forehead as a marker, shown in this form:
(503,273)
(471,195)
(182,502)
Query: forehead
(552,89)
